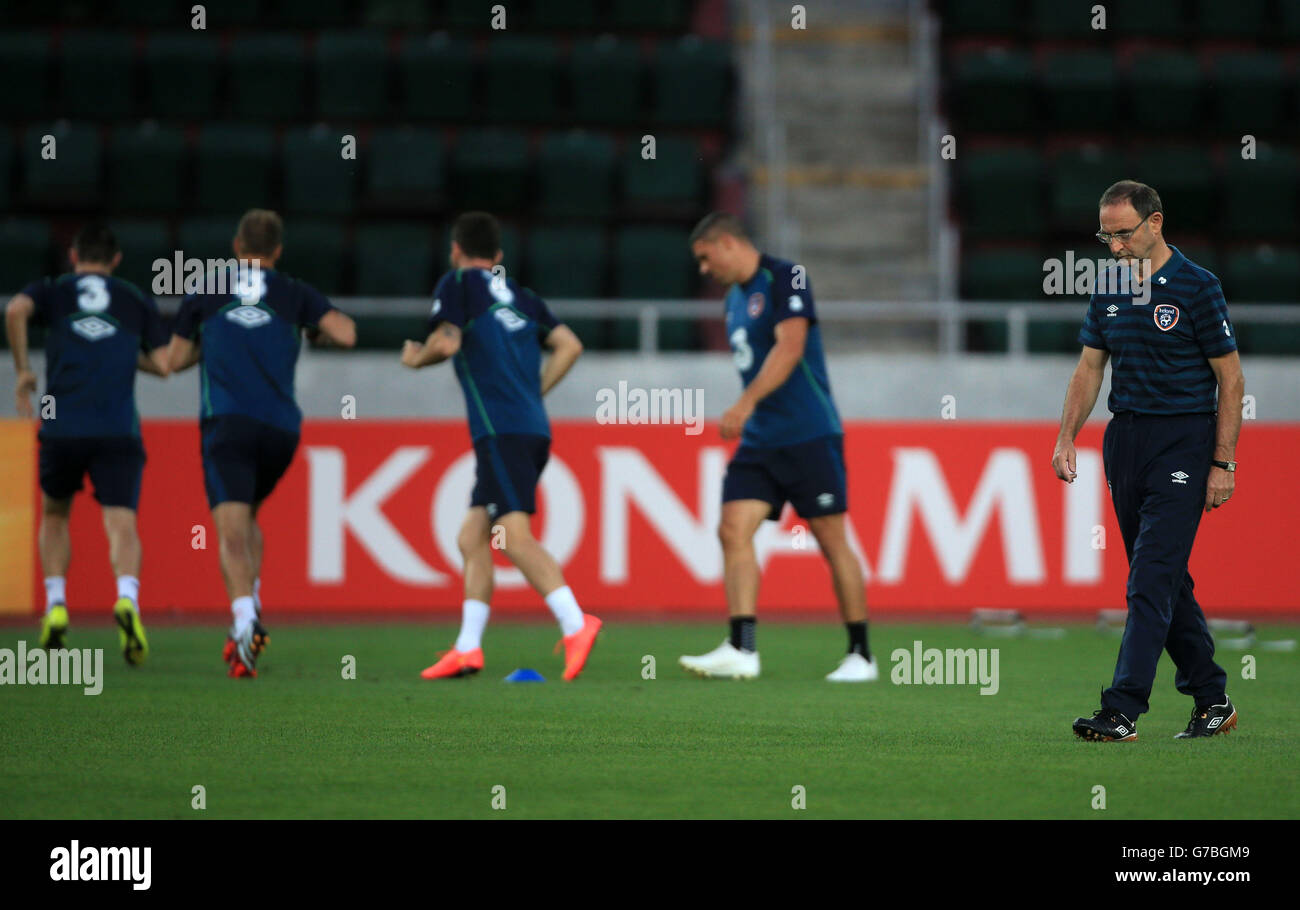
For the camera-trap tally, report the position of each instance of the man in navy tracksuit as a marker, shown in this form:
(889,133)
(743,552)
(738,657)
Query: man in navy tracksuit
(1168,452)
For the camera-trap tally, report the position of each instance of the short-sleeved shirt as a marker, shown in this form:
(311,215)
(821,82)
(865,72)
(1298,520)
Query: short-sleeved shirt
(502,328)
(249,341)
(96,327)
(1159,350)
(802,408)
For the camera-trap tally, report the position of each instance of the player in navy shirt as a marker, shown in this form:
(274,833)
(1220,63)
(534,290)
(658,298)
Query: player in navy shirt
(791,443)
(99,330)
(245,339)
(1168,452)
(494,331)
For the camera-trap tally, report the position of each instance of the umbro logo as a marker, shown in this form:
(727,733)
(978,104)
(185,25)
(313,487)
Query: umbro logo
(1180,476)
(1121,729)
(1214,722)
(510,319)
(825,500)
(492,510)
(250,317)
(1112,310)
(92,328)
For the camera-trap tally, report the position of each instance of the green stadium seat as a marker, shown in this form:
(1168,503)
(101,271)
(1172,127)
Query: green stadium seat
(317,178)
(234,168)
(1238,19)
(993,89)
(1080,89)
(605,76)
(268,76)
(557,15)
(405,167)
(1003,274)
(315,251)
(690,78)
(1164,91)
(1260,195)
(142,243)
(1057,19)
(567,261)
(575,172)
(330,13)
(436,74)
(6,167)
(24,60)
(1077,178)
(96,74)
(350,74)
(395,260)
(25,250)
(1266,274)
(477,15)
(1147,18)
(230,12)
(490,169)
(652,262)
(1268,339)
(73,175)
(1184,175)
(1290,26)
(1056,337)
(207,237)
(521,79)
(396,13)
(662,15)
(672,181)
(146,168)
(1249,90)
(960,18)
(1000,191)
(181,74)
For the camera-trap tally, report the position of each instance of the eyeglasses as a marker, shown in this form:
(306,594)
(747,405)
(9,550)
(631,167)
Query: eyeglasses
(1121,236)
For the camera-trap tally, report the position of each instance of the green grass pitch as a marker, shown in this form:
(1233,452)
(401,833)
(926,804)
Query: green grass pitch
(303,742)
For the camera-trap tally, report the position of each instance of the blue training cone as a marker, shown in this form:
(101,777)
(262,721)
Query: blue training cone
(525,675)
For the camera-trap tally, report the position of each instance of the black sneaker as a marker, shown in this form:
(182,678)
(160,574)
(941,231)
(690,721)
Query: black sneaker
(1210,720)
(1105,726)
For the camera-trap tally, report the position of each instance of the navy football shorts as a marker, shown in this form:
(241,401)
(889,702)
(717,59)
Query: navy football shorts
(243,458)
(809,475)
(114,463)
(506,473)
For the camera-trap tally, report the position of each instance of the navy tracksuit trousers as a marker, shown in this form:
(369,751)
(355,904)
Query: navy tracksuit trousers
(1157,467)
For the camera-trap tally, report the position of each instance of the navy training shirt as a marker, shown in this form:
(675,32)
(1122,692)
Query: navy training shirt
(1159,349)
(96,327)
(249,341)
(802,408)
(499,362)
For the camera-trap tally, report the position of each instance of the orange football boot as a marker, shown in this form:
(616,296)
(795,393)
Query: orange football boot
(578,646)
(455,663)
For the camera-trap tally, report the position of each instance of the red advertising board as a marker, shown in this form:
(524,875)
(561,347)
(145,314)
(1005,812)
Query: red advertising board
(946,516)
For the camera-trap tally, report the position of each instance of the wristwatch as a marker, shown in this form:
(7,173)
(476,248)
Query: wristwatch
(1229,466)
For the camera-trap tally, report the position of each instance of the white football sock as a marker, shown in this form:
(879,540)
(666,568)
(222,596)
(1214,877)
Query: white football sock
(245,612)
(473,619)
(565,607)
(129,586)
(54,593)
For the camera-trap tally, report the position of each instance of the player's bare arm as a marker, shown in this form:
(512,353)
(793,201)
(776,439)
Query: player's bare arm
(155,362)
(1232,387)
(335,329)
(181,354)
(17,312)
(1080,398)
(443,343)
(791,336)
(565,348)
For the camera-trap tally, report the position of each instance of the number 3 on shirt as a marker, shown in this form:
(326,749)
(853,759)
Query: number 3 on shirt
(92,294)
(742,353)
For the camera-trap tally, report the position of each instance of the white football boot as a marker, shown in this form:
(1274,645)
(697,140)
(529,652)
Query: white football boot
(723,662)
(854,668)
